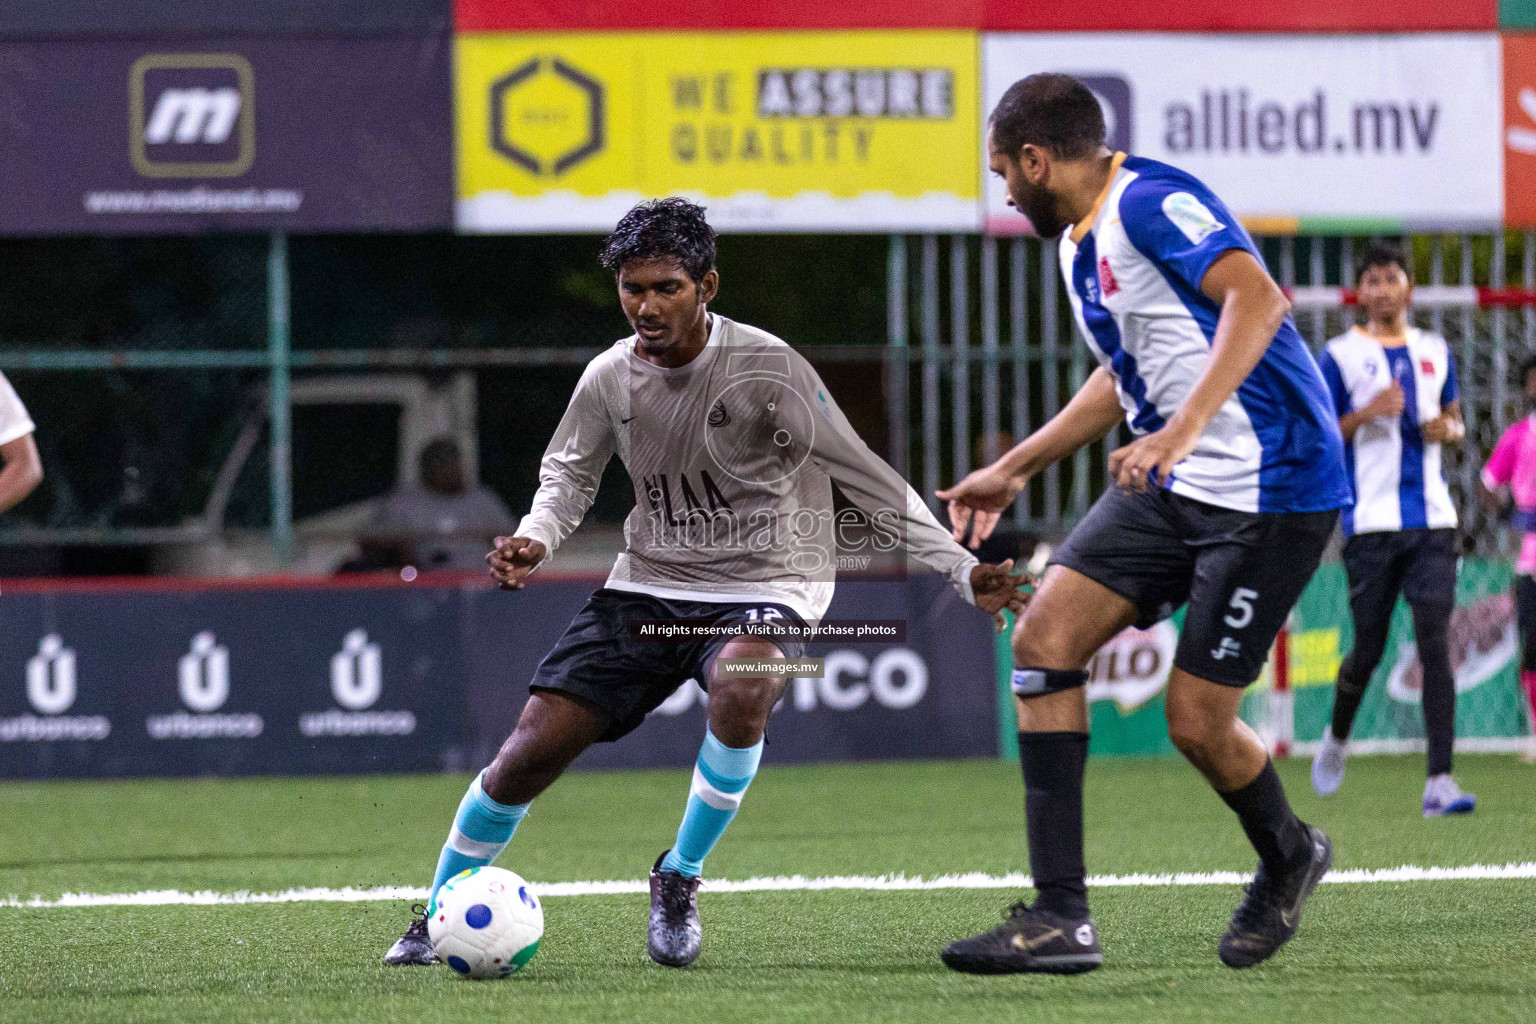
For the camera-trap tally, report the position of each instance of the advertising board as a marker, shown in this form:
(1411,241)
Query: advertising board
(379,677)
(1296,133)
(786,131)
(123,136)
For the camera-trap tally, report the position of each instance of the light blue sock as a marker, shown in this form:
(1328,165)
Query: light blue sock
(481,830)
(720,779)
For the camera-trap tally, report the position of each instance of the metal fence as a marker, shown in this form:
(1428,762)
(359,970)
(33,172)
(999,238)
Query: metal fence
(984,328)
(981,350)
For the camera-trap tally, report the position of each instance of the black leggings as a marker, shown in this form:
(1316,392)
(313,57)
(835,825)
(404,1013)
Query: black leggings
(1525,615)
(1421,565)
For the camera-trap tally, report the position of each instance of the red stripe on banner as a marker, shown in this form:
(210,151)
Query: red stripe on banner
(1261,16)
(694,15)
(995,15)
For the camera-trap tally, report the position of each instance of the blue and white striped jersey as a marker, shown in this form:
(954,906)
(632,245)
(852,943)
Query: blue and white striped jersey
(1398,479)
(1133,269)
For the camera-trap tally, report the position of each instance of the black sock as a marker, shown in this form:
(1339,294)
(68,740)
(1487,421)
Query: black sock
(1430,628)
(1054,763)
(1270,824)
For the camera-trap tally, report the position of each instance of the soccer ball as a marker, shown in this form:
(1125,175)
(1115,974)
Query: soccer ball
(485,923)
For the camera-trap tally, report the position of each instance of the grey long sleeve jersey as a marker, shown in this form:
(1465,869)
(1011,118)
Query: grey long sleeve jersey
(732,458)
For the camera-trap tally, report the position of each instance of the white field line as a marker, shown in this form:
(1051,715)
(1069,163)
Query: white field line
(1464,745)
(167,897)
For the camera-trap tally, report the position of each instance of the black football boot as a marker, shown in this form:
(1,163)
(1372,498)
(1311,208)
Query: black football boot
(675,933)
(1271,909)
(414,948)
(1029,942)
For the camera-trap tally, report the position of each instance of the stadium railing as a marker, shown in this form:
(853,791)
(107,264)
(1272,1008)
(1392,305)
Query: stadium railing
(980,350)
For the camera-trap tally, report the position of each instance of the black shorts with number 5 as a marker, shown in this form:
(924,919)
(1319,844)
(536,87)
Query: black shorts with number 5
(1241,573)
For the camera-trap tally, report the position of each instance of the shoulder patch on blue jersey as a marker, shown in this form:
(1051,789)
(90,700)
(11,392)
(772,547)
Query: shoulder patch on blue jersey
(1191,216)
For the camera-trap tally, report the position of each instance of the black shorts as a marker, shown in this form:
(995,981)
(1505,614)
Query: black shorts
(1419,564)
(596,660)
(1241,573)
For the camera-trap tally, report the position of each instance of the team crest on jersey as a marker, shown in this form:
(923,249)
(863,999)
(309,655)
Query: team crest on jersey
(1191,216)
(1107,284)
(718,417)
(1427,367)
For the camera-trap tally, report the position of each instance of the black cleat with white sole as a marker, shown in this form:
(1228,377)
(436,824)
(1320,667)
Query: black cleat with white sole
(414,948)
(1271,909)
(675,934)
(1029,942)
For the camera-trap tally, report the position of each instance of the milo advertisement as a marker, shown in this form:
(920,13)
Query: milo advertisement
(1485,657)
(1126,678)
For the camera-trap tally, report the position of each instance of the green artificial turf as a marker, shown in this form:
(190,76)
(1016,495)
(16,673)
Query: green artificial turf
(1398,952)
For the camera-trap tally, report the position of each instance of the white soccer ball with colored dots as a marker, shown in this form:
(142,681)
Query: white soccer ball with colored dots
(485,923)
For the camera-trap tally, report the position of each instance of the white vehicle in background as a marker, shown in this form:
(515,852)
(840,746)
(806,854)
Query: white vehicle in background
(423,408)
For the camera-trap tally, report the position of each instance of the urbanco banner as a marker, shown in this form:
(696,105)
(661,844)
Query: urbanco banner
(231,682)
(1309,133)
(930,694)
(373,676)
(123,136)
(772,131)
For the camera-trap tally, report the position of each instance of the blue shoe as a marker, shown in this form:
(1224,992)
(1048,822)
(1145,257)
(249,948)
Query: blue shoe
(1442,796)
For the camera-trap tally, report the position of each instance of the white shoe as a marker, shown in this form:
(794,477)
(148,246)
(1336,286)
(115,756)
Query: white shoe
(1328,765)
(1442,796)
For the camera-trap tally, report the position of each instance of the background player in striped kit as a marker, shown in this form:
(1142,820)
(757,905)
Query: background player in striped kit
(1511,471)
(1395,390)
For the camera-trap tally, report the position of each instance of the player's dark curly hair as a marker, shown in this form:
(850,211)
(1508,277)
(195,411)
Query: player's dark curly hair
(1055,112)
(1382,254)
(671,228)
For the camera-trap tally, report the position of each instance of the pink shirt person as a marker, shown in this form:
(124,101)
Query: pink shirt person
(1513,464)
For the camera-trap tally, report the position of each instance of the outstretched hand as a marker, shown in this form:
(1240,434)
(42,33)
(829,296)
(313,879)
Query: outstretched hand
(997,589)
(978,502)
(513,559)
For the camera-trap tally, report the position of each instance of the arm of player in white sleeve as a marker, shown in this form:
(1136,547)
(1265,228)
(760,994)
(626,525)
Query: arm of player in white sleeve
(572,467)
(876,488)
(14,419)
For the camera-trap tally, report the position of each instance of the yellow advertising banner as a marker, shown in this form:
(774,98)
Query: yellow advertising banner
(773,131)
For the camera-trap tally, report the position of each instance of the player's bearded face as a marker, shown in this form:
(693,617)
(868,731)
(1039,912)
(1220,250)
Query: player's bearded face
(1038,206)
(1035,202)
